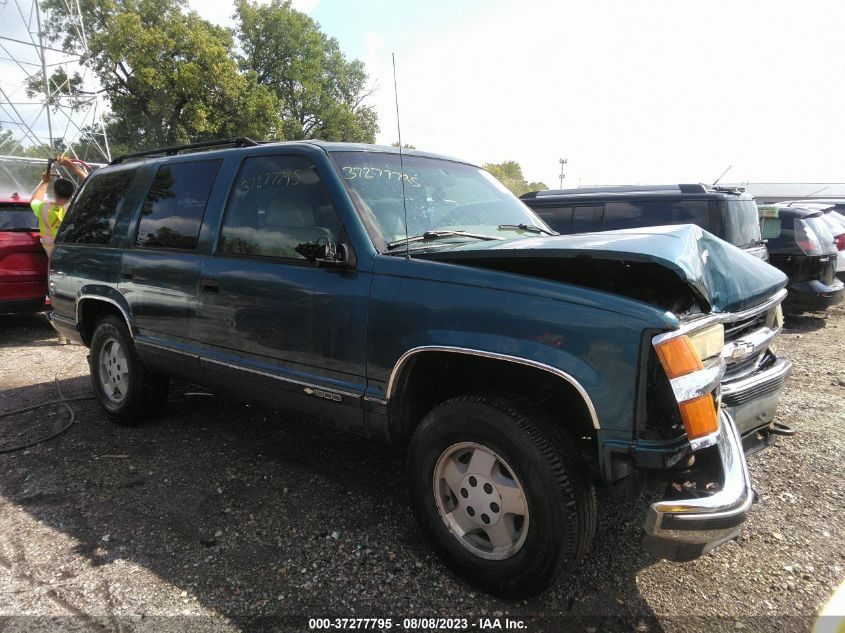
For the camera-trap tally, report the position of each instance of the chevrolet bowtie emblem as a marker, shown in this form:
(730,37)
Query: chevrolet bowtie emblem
(741,350)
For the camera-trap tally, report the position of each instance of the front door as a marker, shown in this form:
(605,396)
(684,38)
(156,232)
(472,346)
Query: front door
(269,320)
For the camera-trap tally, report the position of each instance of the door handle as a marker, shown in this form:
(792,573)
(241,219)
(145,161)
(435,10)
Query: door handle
(210,285)
(126,273)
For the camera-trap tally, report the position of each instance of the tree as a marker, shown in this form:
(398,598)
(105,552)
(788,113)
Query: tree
(170,76)
(509,173)
(8,143)
(320,92)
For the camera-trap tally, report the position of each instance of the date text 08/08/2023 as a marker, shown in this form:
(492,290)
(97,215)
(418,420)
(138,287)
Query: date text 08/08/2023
(412,624)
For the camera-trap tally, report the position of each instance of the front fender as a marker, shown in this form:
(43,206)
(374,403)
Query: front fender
(599,349)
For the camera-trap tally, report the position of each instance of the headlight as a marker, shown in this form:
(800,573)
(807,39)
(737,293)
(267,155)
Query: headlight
(709,342)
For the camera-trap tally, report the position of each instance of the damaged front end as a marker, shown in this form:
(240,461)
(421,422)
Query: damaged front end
(709,504)
(711,385)
(709,492)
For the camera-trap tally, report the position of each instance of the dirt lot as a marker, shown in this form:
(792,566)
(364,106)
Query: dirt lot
(223,516)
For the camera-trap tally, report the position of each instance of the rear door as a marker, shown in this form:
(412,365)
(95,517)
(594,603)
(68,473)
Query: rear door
(160,271)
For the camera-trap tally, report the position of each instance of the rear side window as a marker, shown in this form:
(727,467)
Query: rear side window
(558,218)
(93,213)
(175,204)
(279,202)
(630,215)
(586,219)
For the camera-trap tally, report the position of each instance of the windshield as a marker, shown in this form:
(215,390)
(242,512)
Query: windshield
(16,217)
(742,226)
(440,196)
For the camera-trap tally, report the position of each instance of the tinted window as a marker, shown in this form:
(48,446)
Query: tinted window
(92,215)
(628,215)
(175,204)
(586,219)
(278,203)
(17,218)
(558,218)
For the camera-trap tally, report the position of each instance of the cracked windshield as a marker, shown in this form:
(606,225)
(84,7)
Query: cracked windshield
(440,196)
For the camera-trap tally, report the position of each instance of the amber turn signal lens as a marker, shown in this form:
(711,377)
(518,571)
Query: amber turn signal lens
(699,416)
(678,357)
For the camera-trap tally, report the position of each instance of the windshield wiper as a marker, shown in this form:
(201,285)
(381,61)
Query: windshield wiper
(526,227)
(434,235)
(18,229)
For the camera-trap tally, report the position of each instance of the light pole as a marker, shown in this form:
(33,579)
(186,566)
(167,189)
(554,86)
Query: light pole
(562,162)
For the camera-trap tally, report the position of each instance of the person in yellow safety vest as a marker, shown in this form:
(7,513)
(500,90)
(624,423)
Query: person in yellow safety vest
(51,214)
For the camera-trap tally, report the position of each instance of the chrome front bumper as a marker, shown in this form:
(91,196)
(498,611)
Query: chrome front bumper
(684,529)
(752,401)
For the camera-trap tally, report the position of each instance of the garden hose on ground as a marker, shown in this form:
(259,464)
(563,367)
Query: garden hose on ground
(61,400)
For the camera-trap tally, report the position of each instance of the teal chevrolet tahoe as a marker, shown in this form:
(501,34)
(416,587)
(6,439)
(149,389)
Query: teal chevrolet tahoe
(411,298)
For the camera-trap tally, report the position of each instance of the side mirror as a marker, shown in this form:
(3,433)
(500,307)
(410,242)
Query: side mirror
(326,253)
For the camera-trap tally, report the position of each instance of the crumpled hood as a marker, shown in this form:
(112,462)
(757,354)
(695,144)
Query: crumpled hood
(722,276)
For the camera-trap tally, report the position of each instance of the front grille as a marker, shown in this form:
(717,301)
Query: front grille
(737,329)
(744,330)
(744,366)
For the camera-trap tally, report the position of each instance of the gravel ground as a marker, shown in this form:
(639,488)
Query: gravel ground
(223,516)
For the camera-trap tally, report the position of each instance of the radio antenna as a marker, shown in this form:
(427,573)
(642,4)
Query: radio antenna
(401,160)
(812,193)
(720,177)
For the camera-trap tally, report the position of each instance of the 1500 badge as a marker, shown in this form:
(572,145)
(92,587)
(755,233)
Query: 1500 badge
(326,395)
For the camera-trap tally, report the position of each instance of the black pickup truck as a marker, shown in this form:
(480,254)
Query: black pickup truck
(412,298)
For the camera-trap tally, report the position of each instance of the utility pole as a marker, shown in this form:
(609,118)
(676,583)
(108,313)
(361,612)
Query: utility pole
(43,55)
(74,116)
(562,162)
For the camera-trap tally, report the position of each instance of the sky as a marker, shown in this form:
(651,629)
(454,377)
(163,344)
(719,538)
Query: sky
(627,92)
(638,91)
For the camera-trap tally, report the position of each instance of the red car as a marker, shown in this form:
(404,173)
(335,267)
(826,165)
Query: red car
(23,262)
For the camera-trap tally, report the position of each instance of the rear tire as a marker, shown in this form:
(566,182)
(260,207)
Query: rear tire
(124,387)
(500,492)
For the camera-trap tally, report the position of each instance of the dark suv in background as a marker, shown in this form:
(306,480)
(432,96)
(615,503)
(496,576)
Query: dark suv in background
(802,245)
(725,212)
(411,297)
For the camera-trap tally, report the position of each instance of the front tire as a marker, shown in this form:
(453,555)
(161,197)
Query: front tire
(126,390)
(499,492)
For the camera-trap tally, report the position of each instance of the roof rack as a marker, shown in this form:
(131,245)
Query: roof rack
(241,141)
(681,187)
(727,189)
